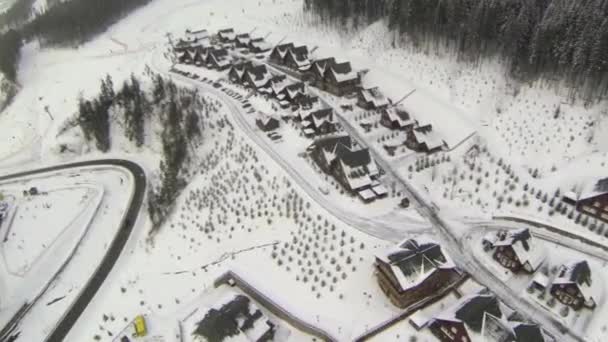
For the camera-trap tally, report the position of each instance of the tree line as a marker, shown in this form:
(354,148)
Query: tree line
(65,23)
(539,39)
(177,109)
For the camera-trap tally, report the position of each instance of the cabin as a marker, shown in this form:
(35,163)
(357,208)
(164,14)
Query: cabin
(277,85)
(197,34)
(592,199)
(425,140)
(316,71)
(237,71)
(218,59)
(293,91)
(297,58)
(414,270)
(266,122)
(515,250)
(465,320)
(243,40)
(226,35)
(340,79)
(257,77)
(573,286)
(306,101)
(322,121)
(185,57)
(371,99)
(396,118)
(277,56)
(259,45)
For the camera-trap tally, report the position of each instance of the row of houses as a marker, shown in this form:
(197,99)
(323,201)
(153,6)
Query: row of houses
(518,251)
(327,74)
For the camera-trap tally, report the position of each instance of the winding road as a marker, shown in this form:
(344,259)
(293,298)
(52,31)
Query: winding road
(112,253)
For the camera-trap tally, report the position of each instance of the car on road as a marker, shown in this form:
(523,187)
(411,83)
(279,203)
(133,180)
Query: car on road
(217,85)
(247,105)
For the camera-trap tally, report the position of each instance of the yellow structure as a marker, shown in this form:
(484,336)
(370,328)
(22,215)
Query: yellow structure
(140,326)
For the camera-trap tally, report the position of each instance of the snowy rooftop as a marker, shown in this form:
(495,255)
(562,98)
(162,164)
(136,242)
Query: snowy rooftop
(578,273)
(523,245)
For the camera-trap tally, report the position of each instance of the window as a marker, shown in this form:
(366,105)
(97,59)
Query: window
(464,339)
(597,204)
(454,330)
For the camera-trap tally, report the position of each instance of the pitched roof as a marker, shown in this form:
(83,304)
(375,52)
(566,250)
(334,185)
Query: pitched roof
(282,49)
(525,332)
(414,260)
(374,96)
(259,75)
(300,56)
(330,143)
(579,274)
(593,189)
(320,65)
(399,116)
(343,72)
(522,243)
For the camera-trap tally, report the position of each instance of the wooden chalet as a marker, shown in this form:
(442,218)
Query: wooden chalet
(573,286)
(237,71)
(465,320)
(297,59)
(340,79)
(592,199)
(396,118)
(306,101)
(316,72)
(414,270)
(259,45)
(257,77)
(185,57)
(226,35)
(424,139)
(515,250)
(198,34)
(266,122)
(322,121)
(371,99)
(293,91)
(218,59)
(277,56)
(243,40)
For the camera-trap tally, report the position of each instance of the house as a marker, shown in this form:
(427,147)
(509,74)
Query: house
(340,79)
(197,34)
(243,40)
(235,318)
(322,121)
(218,59)
(324,150)
(184,57)
(259,45)
(277,56)
(306,101)
(277,85)
(396,118)
(592,199)
(297,58)
(506,330)
(424,140)
(515,250)
(237,71)
(226,35)
(414,270)
(371,99)
(293,91)
(257,77)
(316,71)
(266,122)
(573,286)
(465,320)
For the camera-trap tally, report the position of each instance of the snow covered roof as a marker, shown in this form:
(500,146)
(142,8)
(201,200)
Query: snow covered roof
(431,139)
(379,190)
(279,83)
(593,189)
(471,311)
(197,33)
(241,68)
(227,34)
(243,39)
(374,96)
(366,194)
(282,49)
(398,116)
(579,274)
(522,243)
(413,260)
(265,119)
(320,65)
(449,123)
(260,45)
(300,56)
(343,72)
(259,75)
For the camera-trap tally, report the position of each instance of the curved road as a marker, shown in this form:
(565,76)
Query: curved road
(111,256)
